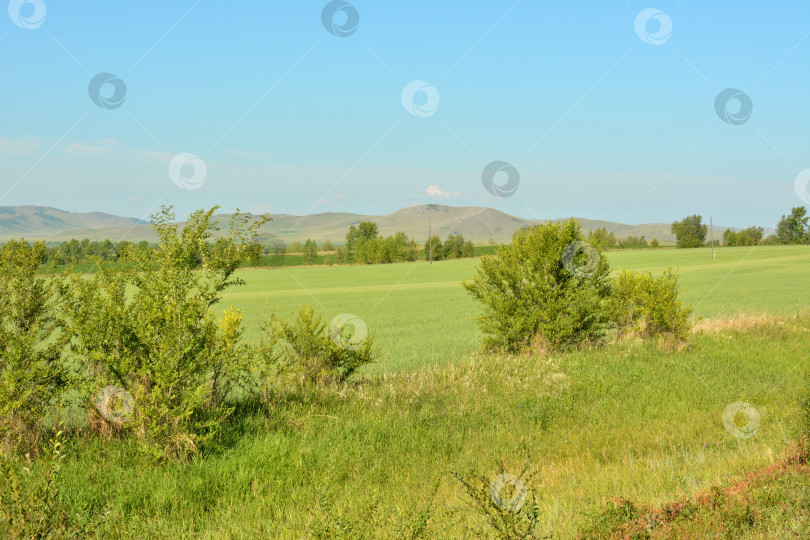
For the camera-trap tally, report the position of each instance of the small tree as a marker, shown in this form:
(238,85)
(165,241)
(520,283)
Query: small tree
(690,231)
(792,228)
(148,329)
(327,246)
(546,289)
(306,346)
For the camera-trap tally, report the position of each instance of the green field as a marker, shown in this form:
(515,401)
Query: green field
(630,419)
(421,315)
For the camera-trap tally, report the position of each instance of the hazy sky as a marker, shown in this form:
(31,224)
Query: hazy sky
(606,109)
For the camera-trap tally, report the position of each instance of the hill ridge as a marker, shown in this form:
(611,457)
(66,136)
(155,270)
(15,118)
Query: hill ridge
(477,223)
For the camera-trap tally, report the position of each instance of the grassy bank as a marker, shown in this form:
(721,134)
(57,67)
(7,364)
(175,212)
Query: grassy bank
(629,420)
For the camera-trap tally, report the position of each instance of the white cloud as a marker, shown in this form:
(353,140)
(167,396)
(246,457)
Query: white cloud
(86,150)
(322,200)
(436,193)
(340,197)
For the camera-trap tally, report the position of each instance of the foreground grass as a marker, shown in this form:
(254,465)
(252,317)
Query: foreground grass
(630,420)
(422,316)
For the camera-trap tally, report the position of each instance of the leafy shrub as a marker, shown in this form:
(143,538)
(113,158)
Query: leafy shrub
(650,306)
(531,295)
(148,329)
(551,290)
(32,373)
(316,351)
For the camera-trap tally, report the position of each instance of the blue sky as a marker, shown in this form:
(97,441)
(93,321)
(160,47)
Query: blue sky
(283,116)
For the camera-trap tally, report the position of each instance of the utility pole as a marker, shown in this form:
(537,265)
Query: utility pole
(430,243)
(711,228)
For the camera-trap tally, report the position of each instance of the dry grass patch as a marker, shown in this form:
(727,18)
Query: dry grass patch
(738,323)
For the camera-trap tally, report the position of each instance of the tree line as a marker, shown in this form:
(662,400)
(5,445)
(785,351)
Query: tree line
(792,229)
(602,239)
(84,251)
(365,245)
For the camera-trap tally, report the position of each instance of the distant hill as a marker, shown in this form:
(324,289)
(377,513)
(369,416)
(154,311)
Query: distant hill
(43,223)
(478,224)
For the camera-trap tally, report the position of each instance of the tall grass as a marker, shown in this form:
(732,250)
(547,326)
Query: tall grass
(627,420)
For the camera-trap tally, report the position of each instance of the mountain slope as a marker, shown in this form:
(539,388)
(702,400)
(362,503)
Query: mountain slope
(41,222)
(476,223)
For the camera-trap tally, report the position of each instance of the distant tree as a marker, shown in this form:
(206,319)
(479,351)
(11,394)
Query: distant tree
(690,231)
(746,237)
(601,239)
(412,251)
(367,250)
(295,247)
(400,247)
(468,250)
(253,253)
(633,242)
(351,243)
(770,240)
(433,245)
(327,246)
(367,230)
(453,246)
(792,228)
(310,251)
(654,243)
(361,242)
(340,255)
(492,242)
(754,235)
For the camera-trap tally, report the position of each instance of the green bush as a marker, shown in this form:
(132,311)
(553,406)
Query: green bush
(548,289)
(32,372)
(148,329)
(552,291)
(650,306)
(307,346)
